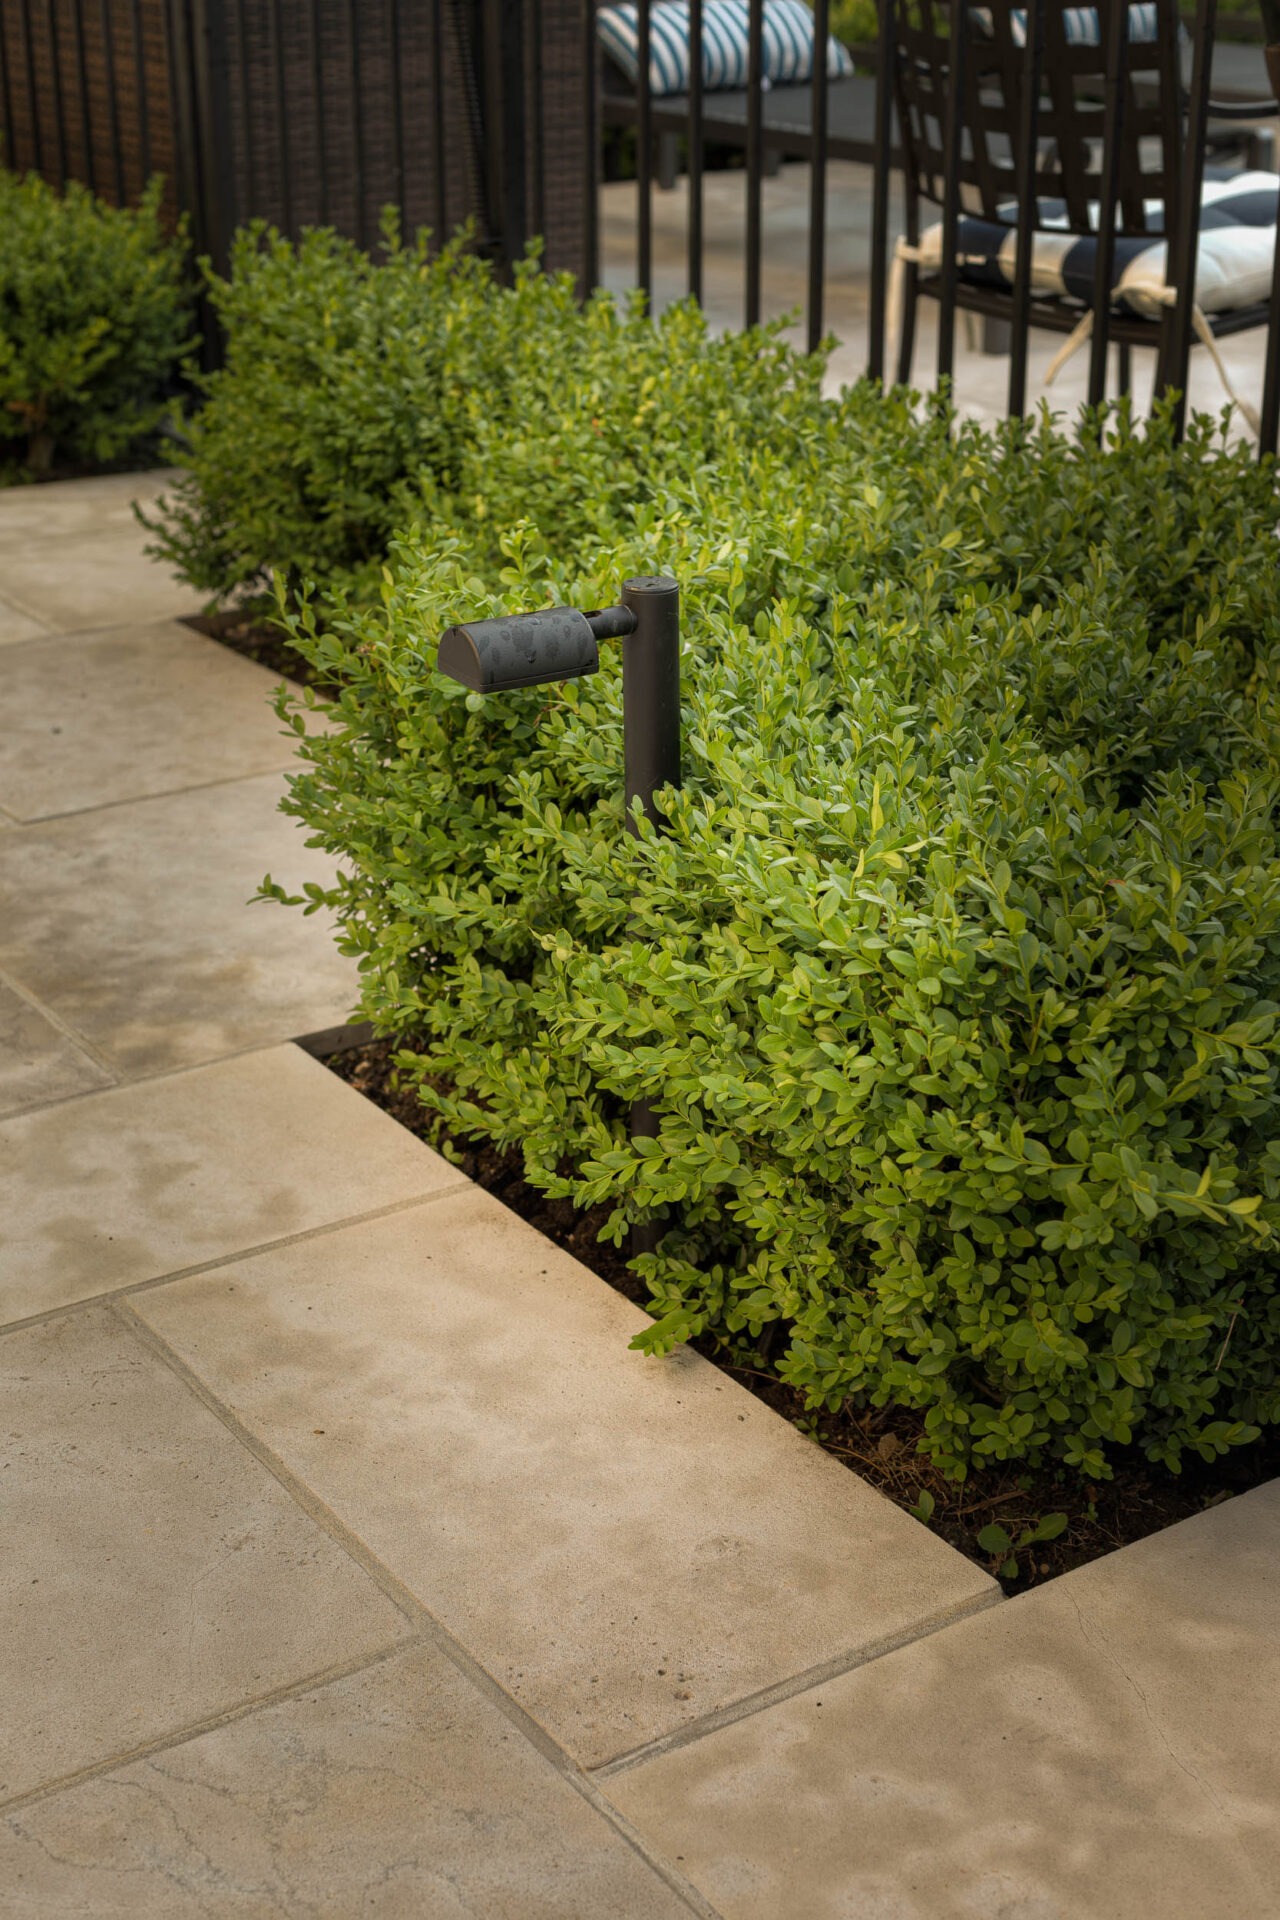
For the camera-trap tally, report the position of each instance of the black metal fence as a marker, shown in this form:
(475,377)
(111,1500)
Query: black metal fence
(931,130)
(490,112)
(768,123)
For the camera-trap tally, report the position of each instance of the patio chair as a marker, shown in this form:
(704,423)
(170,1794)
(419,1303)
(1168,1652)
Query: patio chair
(1065,157)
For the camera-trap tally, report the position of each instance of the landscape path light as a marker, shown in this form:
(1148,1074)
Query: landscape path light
(561,643)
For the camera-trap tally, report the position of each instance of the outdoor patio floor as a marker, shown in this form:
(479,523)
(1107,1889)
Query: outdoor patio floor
(981,379)
(352,1564)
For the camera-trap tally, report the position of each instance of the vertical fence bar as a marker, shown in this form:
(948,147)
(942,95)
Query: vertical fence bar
(140,83)
(1186,242)
(82,92)
(538,136)
(397,109)
(591,117)
(282,116)
(357,118)
(317,95)
(437,81)
(953,148)
(695,149)
(1269,419)
(211,143)
(504,118)
(182,119)
(244,73)
(1028,208)
(755,153)
(644,152)
(7,154)
(818,173)
(55,74)
(29,50)
(113,117)
(1115,101)
(885,81)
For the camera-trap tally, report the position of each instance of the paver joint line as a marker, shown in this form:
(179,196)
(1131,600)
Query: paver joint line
(772,1696)
(135,800)
(158,1075)
(16,605)
(419,1616)
(191,1730)
(155,1281)
(62,1025)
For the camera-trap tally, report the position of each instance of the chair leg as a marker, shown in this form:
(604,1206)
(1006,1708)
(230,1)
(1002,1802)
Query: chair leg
(1124,368)
(907,336)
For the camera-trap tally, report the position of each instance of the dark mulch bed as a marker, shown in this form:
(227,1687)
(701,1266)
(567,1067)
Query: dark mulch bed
(878,1443)
(252,635)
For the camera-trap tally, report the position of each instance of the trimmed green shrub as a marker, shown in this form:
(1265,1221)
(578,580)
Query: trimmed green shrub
(955,976)
(358,397)
(854,21)
(95,316)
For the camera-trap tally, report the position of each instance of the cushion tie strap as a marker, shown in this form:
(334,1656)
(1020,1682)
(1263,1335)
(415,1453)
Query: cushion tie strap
(1204,333)
(1082,333)
(903,253)
(1077,338)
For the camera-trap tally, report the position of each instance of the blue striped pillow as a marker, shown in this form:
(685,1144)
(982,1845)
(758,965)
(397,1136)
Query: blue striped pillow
(788,43)
(668,45)
(1080,24)
(1083,28)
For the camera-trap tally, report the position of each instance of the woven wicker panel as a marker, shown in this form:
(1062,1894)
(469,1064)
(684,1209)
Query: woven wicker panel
(310,111)
(330,113)
(85,93)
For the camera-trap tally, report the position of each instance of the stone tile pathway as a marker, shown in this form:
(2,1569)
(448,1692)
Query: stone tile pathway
(1105,1745)
(352,1565)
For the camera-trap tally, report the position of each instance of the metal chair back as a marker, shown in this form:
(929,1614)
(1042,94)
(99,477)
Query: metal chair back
(1001,108)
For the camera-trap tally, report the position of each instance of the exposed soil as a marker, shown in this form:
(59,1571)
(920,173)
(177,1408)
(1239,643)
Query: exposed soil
(878,1443)
(253,636)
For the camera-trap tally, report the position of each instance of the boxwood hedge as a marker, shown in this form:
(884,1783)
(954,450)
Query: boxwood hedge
(358,396)
(955,974)
(95,317)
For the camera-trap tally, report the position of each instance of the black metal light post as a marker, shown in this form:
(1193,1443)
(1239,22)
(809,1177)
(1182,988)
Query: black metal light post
(560,643)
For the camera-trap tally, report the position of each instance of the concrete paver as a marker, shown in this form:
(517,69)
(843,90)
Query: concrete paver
(93,719)
(153,1572)
(72,554)
(625,1544)
(129,922)
(397,1793)
(1105,1745)
(144,1180)
(38,1062)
